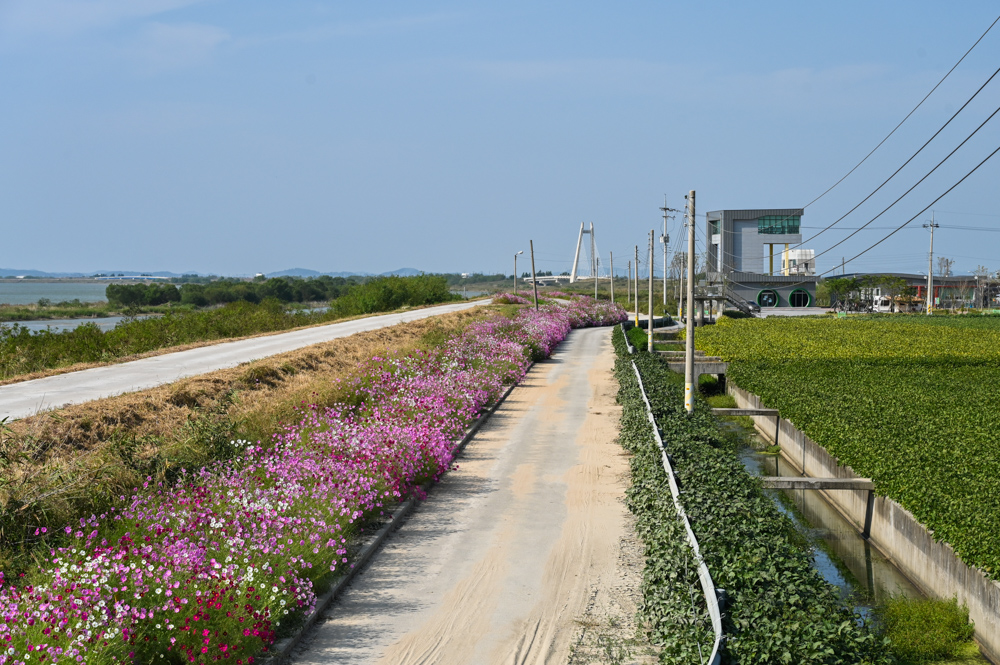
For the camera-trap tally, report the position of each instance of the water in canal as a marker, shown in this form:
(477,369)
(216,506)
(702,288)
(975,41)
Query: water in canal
(845,559)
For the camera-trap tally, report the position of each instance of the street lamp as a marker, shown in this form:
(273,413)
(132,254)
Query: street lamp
(515,271)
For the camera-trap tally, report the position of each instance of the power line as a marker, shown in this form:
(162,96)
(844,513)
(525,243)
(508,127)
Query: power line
(907,116)
(925,209)
(947,157)
(912,157)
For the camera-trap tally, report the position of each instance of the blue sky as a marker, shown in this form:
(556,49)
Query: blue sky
(237,137)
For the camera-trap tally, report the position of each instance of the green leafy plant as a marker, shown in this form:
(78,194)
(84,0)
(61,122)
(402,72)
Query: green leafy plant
(781,610)
(904,400)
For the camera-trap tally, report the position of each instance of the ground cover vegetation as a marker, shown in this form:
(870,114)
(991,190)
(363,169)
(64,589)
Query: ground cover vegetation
(905,400)
(23,351)
(217,562)
(927,630)
(60,464)
(780,610)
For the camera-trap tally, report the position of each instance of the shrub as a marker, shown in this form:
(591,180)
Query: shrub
(924,630)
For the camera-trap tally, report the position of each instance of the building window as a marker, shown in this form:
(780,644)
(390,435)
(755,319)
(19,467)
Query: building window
(775,224)
(768,298)
(713,225)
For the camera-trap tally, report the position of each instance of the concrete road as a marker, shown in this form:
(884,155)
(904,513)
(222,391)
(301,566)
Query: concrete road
(26,398)
(505,560)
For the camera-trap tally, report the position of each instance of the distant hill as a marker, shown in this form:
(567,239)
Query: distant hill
(306,272)
(291,272)
(13,272)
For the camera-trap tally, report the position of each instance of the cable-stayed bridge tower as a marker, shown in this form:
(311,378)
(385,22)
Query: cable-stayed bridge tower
(594,256)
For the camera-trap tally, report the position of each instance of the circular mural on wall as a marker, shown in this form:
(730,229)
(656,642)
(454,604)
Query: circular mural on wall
(799,298)
(768,298)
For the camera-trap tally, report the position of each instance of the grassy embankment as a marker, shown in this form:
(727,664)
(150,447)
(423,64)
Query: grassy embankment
(76,461)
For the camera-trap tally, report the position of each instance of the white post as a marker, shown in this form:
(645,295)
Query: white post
(689,341)
(636,285)
(611,256)
(534,280)
(649,326)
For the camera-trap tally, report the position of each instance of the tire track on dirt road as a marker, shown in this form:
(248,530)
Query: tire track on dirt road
(506,556)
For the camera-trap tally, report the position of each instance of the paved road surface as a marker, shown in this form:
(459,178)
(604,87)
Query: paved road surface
(26,398)
(513,549)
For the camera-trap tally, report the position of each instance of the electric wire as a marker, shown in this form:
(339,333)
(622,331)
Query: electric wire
(946,158)
(936,86)
(925,209)
(912,157)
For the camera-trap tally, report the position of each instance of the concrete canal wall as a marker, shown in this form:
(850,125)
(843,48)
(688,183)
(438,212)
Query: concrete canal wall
(933,566)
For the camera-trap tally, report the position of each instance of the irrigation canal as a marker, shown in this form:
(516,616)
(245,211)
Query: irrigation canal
(845,559)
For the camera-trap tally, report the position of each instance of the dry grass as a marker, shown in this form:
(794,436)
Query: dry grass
(41,374)
(76,461)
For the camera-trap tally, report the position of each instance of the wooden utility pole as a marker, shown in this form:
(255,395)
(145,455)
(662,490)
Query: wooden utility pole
(534,281)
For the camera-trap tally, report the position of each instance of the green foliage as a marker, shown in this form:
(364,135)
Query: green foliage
(781,610)
(925,630)
(905,400)
(23,351)
(221,291)
(388,293)
(638,338)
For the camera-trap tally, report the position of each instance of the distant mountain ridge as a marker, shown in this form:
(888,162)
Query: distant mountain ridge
(291,272)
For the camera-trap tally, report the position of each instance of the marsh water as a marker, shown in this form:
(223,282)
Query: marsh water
(62,325)
(30,291)
(840,554)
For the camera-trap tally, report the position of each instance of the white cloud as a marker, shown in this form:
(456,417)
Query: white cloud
(167,46)
(60,18)
(370,28)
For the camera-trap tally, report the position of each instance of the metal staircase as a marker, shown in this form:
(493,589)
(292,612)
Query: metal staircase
(738,302)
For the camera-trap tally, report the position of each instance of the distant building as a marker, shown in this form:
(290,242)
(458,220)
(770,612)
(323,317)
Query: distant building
(750,252)
(949,292)
(751,240)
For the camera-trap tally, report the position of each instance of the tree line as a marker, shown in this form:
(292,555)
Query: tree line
(367,295)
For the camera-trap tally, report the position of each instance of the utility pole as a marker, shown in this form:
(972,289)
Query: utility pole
(636,285)
(611,256)
(930,265)
(649,327)
(595,278)
(515,271)
(689,337)
(680,285)
(628,284)
(665,240)
(534,282)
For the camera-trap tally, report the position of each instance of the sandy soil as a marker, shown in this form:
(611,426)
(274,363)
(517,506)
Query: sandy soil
(524,554)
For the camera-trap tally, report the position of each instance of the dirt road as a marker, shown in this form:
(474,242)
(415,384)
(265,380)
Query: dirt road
(18,400)
(517,553)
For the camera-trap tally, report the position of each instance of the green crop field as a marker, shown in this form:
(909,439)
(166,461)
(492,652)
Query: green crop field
(911,402)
